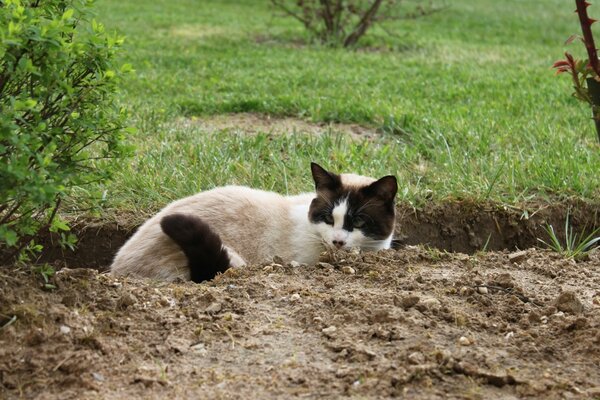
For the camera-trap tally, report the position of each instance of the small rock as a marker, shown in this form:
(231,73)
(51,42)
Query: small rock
(482,290)
(98,377)
(569,303)
(295,297)
(199,348)
(509,335)
(295,264)
(277,260)
(465,291)
(325,265)
(329,331)
(416,358)
(213,308)
(464,341)
(65,330)
(517,256)
(348,270)
(268,268)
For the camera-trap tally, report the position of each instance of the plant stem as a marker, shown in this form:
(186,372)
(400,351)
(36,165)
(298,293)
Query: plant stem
(588,38)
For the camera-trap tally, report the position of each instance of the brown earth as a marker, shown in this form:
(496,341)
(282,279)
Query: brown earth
(414,323)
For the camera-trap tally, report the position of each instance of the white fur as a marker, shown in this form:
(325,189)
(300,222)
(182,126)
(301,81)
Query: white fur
(254,226)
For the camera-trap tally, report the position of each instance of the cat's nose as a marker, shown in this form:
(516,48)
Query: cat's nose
(338,243)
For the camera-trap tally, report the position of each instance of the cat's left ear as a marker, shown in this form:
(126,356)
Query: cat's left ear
(384,188)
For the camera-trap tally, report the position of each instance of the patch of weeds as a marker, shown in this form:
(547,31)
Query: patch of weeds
(576,246)
(46,272)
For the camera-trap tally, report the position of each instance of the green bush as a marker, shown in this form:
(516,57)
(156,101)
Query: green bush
(60,126)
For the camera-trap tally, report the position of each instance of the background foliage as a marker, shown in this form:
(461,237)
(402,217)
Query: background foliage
(59,124)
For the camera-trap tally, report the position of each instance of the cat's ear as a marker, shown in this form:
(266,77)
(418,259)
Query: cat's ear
(384,188)
(323,178)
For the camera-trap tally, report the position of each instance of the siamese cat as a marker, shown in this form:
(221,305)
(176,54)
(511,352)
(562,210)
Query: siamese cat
(205,234)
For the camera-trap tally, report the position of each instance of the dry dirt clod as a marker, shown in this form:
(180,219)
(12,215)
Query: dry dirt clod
(295,297)
(406,302)
(416,358)
(325,265)
(348,270)
(568,302)
(329,331)
(517,256)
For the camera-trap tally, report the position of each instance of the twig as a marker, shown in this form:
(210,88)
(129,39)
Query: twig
(520,296)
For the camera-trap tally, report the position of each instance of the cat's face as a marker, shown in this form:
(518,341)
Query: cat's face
(353,211)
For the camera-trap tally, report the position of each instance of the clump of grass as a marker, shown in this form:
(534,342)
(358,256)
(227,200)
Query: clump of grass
(576,246)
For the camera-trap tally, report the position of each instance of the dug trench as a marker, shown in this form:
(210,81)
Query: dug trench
(459,226)
(414,322)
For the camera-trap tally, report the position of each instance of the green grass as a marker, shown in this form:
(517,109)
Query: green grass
(469,104)
(576,245)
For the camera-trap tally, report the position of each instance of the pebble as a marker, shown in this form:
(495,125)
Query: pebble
(98,377)
(329,331)
(482,290)
(295,264)
(295,297)
(65,330)
(199,348)
(325,265)
(277,260)
(416,358)
(509,335)
(348,270)
(464,341)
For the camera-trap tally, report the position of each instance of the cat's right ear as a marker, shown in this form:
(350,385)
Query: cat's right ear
(324,180)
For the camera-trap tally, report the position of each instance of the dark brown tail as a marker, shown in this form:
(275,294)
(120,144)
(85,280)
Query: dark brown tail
(201,245)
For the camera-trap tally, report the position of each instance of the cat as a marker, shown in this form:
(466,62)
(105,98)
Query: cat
(205,234)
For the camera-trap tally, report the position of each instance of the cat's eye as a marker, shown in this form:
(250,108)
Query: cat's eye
(328,218)
(358,222)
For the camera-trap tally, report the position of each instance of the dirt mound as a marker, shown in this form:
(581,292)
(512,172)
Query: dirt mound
(460,226)
(412,322)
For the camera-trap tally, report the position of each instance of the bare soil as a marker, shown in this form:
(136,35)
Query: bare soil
(254,123)
(414,323)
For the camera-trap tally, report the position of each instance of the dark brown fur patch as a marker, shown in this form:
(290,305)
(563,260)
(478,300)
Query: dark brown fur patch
(201,245)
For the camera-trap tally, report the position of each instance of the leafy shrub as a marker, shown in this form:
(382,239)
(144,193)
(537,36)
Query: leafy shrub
(344,22)
(59,125)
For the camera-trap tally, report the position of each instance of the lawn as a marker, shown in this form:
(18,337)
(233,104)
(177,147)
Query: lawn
(465,100)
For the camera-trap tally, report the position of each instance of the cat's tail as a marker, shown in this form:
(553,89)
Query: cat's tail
(201,245)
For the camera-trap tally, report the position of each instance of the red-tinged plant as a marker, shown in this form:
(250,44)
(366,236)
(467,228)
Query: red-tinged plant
(584,73)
